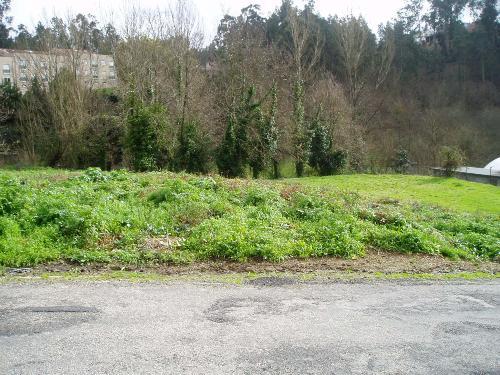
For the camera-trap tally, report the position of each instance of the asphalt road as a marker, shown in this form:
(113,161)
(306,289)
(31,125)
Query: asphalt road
(268,327)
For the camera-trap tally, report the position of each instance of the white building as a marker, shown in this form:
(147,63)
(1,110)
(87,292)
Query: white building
(494,165)
(19,67)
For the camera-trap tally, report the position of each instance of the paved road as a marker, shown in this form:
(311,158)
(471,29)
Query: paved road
(189,328)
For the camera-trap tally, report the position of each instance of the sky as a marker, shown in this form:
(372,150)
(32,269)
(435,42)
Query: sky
(29,12)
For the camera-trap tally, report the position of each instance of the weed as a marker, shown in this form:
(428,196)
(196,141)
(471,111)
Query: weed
(100,217)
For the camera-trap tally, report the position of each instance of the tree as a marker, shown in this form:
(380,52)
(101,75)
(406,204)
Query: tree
(322,157)
(401,161)
(145,124)
(5,29)
(231,155)
(192,152)
(443,17)
(40,142)
(301,137)
(24,39)
(10,101)
(305,50)
(245,138)
(365,67)
(485,41)
(452,158)
(271,132)
(321,144)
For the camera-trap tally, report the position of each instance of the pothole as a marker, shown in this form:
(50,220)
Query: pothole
(272,281)
(37,319)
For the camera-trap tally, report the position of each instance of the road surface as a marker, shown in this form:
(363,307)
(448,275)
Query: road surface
(269,327)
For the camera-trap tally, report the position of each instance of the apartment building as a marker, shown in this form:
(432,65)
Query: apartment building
(19,67)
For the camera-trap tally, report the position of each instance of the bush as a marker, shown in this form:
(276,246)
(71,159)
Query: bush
(452,158)
(145,125)
(321,156)
(12,196)
(401,161)
(192,152)
(405,240)
(333,237)
(239,238)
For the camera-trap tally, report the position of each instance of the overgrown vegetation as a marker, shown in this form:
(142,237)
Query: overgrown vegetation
(127,218)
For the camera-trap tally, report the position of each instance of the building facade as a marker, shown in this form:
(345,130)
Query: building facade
(19,67)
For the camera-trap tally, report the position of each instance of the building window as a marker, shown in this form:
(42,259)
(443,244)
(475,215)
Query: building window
(95,74)
(6,81)
(111,64)
(94,64)
(6,69)
(103,63)
(112,74)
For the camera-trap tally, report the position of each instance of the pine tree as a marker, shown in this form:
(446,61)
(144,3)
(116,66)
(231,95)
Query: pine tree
(322,157)
(244,142)
(191,155)
(401,161)
(144,125)
(259,151)
(321,144)
(230,159)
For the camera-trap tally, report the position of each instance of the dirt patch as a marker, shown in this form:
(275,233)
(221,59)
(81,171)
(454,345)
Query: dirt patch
(162,244)
(374,261)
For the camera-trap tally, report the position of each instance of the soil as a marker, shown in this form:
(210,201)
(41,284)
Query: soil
(374,261)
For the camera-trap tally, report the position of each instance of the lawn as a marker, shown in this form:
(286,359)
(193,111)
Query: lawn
(451,193)
(95,217)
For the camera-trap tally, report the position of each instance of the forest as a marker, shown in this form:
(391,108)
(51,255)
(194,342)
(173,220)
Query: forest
(291,94)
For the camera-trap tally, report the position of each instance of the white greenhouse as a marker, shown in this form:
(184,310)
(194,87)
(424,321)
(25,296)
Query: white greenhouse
(494,165)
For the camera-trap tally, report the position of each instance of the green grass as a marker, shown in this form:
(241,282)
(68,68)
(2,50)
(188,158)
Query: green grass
(451,193)
(243,278)
(155,218)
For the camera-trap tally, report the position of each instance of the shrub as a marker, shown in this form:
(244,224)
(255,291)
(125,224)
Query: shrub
(12,196)
(236,237)
(94,175)
(480,245)
(452,158)
(406,240)
(401,161)
(332,237)
(305,207)
(321,156)
(17,250)
(145,125)
(173,191)
(192,152)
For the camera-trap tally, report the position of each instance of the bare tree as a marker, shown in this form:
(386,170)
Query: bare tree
(307,43)
(365,68)
(306,50)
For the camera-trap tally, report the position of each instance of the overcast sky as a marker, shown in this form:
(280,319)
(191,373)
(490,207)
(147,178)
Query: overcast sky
(29,12)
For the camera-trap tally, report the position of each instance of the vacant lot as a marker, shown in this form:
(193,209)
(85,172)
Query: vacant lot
(94,217)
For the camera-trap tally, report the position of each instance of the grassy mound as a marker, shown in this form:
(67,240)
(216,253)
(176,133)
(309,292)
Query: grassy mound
(128,218)
(447,192)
